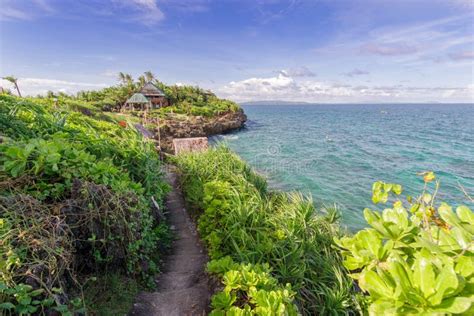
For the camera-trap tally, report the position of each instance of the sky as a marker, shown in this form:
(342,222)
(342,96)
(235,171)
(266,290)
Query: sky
(327,51)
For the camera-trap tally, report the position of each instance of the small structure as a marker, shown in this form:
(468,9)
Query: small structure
(157,98)
(189,144)
(138,99)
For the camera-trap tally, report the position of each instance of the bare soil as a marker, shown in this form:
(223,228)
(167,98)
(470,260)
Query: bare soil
(183,285)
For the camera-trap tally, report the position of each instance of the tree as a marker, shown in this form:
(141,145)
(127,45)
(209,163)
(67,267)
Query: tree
(142,81)
(149,76)
(125,79)
(15,83)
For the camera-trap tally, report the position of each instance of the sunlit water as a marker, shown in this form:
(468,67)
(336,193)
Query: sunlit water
(336,152)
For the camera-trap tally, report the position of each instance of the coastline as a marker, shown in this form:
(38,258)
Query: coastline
(197,126)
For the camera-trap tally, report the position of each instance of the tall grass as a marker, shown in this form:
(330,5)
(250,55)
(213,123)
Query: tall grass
(241,218)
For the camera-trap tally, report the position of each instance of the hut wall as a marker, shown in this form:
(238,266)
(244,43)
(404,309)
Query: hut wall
(158,101)
(190,144)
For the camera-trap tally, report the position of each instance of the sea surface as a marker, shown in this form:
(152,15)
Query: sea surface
(336,152)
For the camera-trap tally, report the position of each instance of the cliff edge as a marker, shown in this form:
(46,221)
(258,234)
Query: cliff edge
(197,126)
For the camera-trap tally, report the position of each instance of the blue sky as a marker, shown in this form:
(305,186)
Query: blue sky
(317,51)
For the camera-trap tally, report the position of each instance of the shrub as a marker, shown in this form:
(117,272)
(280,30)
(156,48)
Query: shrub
(415,258)
(249,290)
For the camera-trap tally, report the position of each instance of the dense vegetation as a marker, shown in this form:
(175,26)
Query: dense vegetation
(75,204)
(273,250)
(189,100)
(276,255)
(416,258)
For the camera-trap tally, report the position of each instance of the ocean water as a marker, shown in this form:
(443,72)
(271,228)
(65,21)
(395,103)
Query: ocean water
(336,152)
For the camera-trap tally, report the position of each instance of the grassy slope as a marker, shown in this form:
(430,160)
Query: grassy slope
(240,218)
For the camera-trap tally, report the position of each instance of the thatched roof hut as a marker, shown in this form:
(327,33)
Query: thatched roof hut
(137,98)
(157,97)
(150,90)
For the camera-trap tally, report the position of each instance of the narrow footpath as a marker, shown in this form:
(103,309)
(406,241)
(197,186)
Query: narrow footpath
(183,284)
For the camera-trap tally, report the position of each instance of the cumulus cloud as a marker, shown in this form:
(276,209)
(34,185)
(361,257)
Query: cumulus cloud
(297,72)
(280,87)
(35,86)
(286,88)
(356,72)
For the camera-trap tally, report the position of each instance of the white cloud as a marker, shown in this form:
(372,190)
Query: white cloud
(411,44)
(394,49)
(356,72)
(143,11)
(150,13)
(110,73)
(24,10)
(34,86)
(287,88)
(297,72)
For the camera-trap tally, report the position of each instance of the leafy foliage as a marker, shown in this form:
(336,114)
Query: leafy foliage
(249,290)
(75,201)
(415,259)
(240,218)
(189,100)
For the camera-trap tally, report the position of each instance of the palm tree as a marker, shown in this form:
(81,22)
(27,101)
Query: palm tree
(15,82)
(129,79)
(141,81)
(149,76)
(122,77)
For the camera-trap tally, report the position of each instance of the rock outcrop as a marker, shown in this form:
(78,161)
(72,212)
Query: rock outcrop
(197,126)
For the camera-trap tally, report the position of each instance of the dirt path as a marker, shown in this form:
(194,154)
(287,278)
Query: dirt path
(183,285)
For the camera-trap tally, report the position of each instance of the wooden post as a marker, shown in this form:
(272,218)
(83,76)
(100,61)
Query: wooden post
(159,135)
(144,114)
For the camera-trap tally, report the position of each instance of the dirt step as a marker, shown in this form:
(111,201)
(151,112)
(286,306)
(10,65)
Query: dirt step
(178,281)
(186,263)
(172,303)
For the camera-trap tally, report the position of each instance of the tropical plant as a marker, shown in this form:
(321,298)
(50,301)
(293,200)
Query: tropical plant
(149,76)
(416,258)
(14,81)
(240,218)
(249,290)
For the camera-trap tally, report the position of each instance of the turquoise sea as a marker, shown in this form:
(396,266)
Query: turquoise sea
(336,152)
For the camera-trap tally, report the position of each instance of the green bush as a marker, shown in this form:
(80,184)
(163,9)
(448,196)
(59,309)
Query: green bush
(240,218)
(249,290)
(416,258)
(75,201)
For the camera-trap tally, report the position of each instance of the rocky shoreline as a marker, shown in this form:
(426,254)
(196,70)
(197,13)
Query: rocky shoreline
(197,126)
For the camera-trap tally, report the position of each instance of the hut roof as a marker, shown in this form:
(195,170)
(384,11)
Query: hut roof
(137,98)
(149,89)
